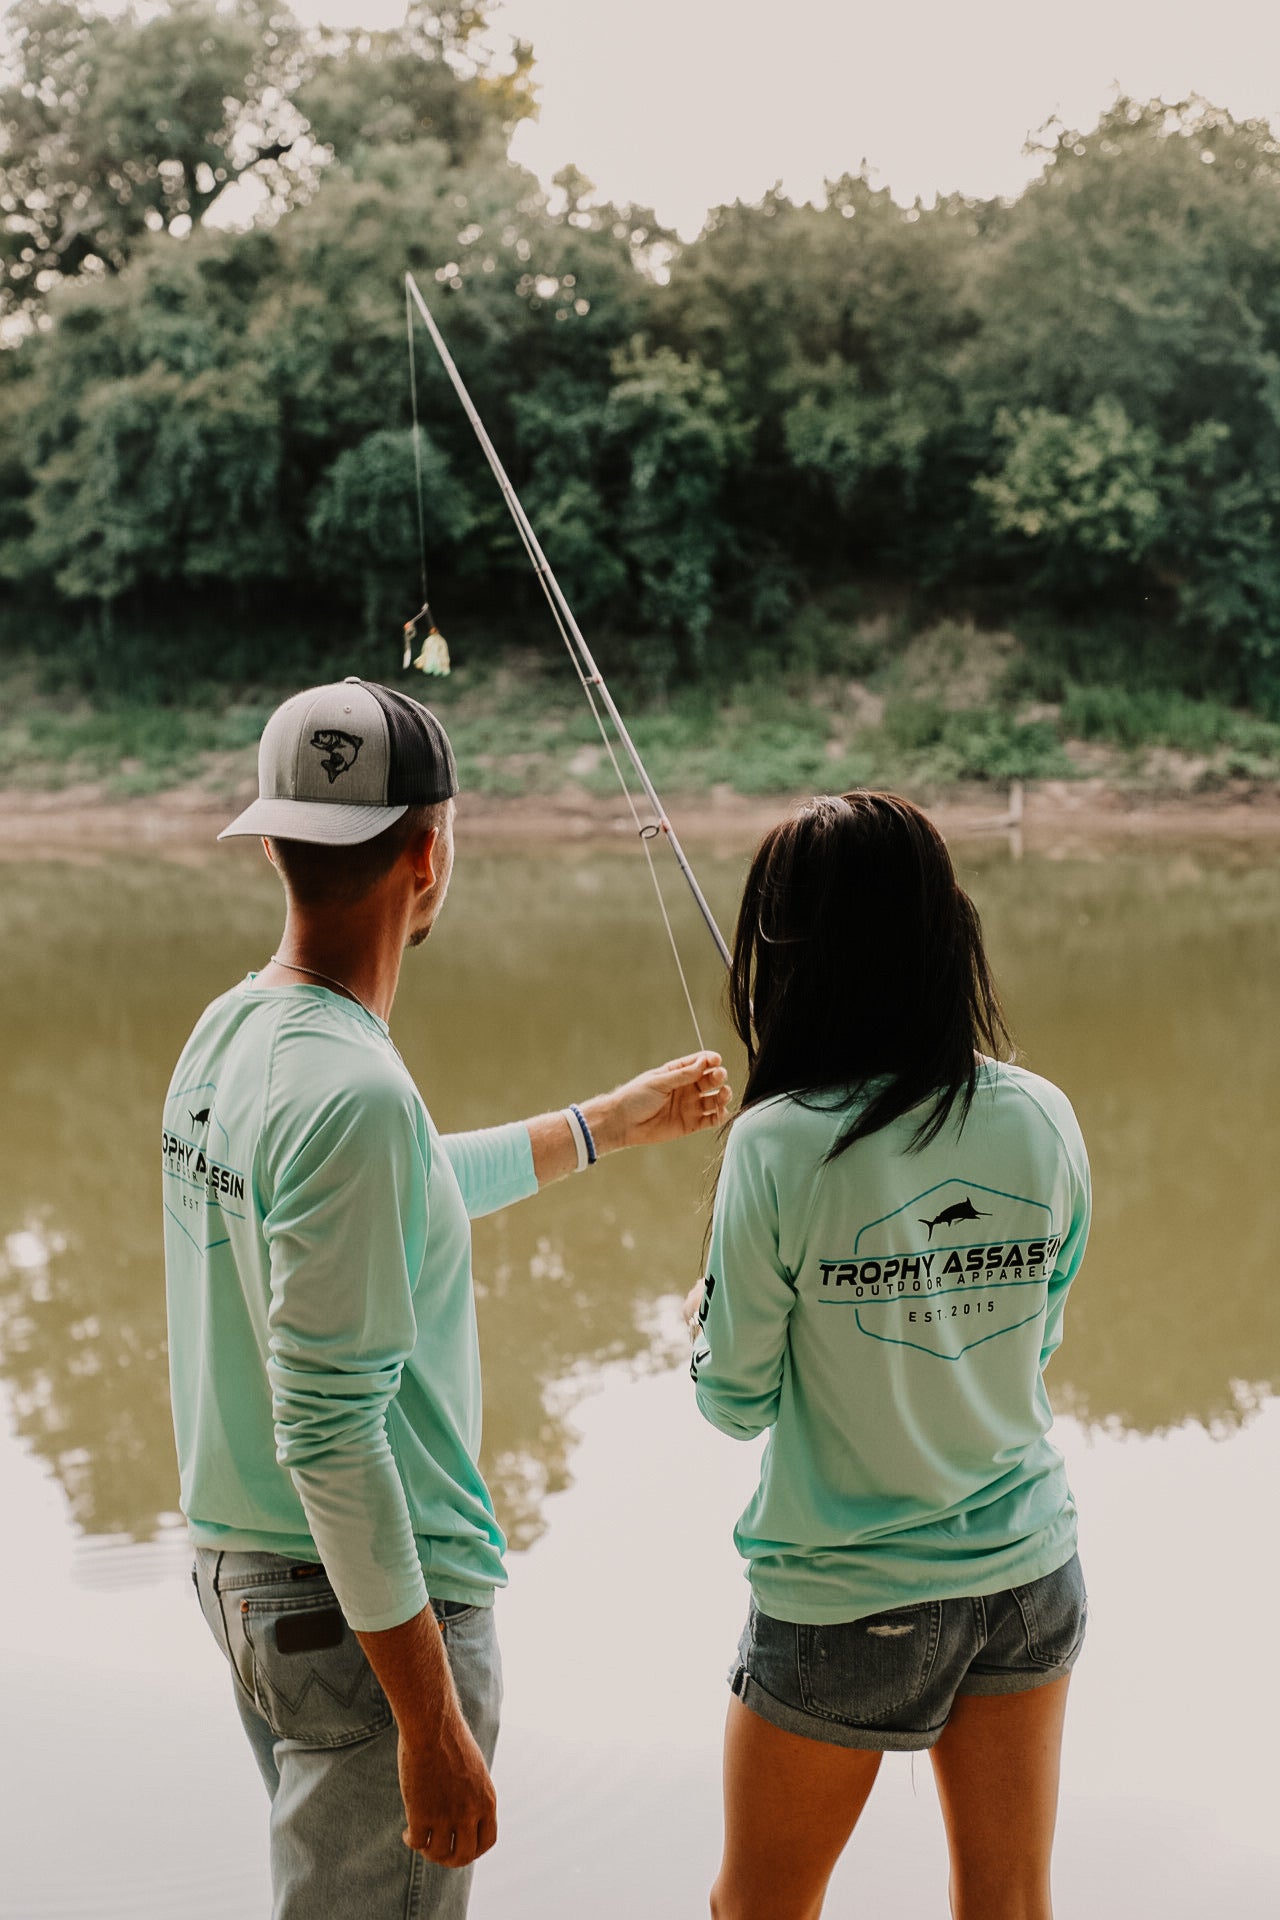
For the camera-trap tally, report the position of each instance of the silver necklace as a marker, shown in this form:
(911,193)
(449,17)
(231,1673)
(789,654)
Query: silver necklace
(326,979)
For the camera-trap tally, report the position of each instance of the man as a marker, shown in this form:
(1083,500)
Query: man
(323,1355)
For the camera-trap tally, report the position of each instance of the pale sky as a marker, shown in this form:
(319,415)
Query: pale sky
(681,104)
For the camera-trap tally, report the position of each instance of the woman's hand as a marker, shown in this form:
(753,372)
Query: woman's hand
(692,1308)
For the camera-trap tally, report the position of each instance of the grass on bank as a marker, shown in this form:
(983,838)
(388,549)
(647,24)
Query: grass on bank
(926,712)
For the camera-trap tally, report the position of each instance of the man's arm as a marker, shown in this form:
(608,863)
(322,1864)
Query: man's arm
(345,1231)
(449,1800)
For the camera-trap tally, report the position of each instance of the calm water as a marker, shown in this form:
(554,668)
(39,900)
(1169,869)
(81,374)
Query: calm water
(1144,982)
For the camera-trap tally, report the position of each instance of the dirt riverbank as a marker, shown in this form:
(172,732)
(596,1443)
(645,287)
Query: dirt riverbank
(84,821)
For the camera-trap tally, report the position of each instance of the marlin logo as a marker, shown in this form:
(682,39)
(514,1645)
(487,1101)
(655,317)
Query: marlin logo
(962,1210)
(340,750)
(200,1119)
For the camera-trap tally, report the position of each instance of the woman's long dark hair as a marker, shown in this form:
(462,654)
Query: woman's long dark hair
(858,958)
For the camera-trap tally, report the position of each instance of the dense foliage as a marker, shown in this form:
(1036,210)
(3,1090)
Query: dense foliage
(1064,411)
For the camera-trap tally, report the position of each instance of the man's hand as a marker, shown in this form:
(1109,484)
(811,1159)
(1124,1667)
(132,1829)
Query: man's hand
(684,1096)
(449,1802)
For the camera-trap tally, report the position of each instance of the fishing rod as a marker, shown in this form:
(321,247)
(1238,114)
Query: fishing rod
(593,681)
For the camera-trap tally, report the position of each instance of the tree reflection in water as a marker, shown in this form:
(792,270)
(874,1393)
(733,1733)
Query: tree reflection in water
(1144,983)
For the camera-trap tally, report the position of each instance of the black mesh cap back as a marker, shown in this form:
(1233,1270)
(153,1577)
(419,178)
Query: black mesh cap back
(422,770)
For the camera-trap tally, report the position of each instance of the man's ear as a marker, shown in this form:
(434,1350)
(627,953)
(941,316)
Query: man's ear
(421,855)
(266,848)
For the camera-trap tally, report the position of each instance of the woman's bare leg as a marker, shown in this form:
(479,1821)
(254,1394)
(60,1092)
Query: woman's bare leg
(790,1805)
(996,1765)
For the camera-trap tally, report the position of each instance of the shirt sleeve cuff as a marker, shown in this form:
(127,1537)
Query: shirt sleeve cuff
(393,1616)
(493,1166)
(726,1422)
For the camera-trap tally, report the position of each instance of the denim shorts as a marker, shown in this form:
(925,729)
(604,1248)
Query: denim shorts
(888,1681)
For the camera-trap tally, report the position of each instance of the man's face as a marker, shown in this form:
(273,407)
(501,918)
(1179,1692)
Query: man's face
(433,899)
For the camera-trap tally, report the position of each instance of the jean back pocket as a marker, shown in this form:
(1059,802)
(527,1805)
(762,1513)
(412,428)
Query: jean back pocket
(311,1679)
(1053,1613)
(864,1672)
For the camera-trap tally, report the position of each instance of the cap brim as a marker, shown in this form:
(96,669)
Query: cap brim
(321,823)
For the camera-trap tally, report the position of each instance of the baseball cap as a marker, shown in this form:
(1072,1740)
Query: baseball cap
(338,764)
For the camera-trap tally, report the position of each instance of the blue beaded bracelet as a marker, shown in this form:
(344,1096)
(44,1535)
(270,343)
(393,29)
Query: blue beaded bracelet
(589,1143)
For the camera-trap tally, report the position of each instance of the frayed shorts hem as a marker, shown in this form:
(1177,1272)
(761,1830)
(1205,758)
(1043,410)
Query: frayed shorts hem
(836,1733)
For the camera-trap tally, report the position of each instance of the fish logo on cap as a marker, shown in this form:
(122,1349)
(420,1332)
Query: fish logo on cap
(340,750)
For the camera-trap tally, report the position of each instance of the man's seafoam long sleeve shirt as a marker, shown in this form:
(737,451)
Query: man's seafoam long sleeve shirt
(322,1335)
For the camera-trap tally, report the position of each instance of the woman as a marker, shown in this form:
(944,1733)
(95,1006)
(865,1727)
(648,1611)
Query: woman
(898,1218)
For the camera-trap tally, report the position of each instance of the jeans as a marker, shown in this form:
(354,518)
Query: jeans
(325,1741)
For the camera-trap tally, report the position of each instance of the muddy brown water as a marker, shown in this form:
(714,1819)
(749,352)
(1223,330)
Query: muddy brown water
(1143,980)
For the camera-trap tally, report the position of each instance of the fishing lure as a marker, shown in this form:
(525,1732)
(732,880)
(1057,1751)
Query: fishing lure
(434,657)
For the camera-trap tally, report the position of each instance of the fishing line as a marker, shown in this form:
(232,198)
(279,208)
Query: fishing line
(417,444)
(589,676)
(434,657)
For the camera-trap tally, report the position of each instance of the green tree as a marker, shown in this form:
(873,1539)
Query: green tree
(1087,494)
(1066,403)
(113,127)
(1131,325)
(124,473)
(364,526)
(672,423)
(1222,562)
(165,479)
(423,80)
(1140,266)
(834,328)
(571,489)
